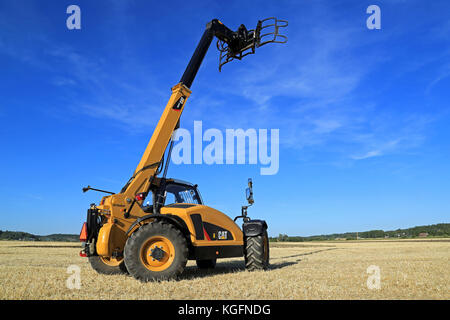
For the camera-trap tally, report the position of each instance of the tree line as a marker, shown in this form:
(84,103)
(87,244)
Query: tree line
(435,230)
(25,236)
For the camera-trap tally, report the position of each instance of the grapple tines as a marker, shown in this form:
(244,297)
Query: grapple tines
(244,42)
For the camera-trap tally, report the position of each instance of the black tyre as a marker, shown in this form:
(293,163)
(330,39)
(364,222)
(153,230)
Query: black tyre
(107,265)
(257,252)
(156,251)
(206,264)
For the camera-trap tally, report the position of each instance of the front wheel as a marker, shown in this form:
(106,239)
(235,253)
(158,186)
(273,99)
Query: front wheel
(156,251)
(257,252)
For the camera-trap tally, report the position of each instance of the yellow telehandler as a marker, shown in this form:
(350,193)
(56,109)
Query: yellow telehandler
(153,241)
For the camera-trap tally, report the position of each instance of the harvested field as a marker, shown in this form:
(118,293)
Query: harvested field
(310,270)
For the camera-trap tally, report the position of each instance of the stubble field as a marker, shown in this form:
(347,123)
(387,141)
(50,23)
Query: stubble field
(409,269)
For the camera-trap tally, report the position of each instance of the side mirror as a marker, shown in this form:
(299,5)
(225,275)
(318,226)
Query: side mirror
(249,192)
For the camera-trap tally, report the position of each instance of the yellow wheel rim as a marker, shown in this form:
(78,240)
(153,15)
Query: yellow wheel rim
(160,261)
(112,262)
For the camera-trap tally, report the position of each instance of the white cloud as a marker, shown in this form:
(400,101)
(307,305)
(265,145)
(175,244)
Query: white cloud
(369,154)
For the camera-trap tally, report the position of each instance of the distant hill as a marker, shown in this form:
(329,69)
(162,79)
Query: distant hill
(434,230)
(19,235)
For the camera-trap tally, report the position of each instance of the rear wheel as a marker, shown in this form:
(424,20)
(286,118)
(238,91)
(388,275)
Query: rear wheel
(156,251)
(106,265)
(257,252)
(206,264)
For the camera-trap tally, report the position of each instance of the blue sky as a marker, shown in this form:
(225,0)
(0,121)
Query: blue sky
(363,114)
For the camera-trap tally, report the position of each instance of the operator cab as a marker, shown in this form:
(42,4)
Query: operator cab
(177,191)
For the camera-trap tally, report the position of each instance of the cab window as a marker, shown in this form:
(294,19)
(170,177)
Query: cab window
(178,193)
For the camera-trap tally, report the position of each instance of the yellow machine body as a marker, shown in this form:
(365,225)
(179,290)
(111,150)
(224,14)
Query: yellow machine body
(213,228)
(207,227)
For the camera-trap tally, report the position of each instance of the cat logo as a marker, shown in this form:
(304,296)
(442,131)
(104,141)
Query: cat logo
(222,235)
(179,104)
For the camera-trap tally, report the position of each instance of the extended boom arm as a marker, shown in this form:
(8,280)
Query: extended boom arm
(232,45)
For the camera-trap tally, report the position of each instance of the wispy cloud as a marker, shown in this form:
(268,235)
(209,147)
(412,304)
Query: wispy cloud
(369,154)
(315,90)
(443,74)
